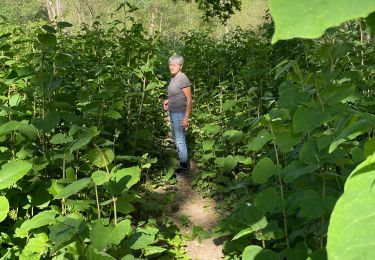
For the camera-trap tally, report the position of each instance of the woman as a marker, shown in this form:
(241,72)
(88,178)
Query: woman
(179,106)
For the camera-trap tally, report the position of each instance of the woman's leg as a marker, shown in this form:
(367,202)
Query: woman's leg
(178,135)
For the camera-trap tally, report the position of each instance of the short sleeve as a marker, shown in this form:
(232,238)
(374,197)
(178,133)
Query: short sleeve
(185,82)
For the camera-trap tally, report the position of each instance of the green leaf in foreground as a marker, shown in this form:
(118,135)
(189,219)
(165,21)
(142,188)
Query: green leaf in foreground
(67,229)
(41,219)
(263,170)
(306,119)
(314,16)
(4,207)
(73,188)
(102,236)
(12,172)
(350,132)
(257,253)
(152,250)
(352,225)
(100,157)
(94,254)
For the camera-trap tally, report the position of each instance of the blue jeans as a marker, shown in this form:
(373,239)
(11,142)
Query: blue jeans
(178,135)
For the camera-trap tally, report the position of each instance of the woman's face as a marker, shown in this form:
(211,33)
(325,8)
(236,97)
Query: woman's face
(174,68)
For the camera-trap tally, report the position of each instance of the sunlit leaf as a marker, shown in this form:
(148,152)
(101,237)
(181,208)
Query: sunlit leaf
(12,171)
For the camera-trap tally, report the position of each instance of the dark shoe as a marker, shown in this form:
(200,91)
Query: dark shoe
(181,171)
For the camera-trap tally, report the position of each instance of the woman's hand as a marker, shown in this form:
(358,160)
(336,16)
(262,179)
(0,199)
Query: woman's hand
(165,105)
(185,122)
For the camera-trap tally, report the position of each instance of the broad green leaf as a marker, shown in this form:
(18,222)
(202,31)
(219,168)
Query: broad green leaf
(99,236)
(312,204)
(226,164)
(63,25)
(358,155)
(243,232)
(306,119)
(369,147)
(334,94)
(286,139)
(152,250)
(250,216)
(37,245)
(233,136)
(12,171)
(229,104)
(4,208)
(73,188)
(47,40)
(9,127)
(79,143)
(296,169)
(243,159)
(211,129)
(262,138)
(49,29)
(352,225)
(61,138)
(123,180)
(350,132)
(114,114)
(128,176)
(41,219)
(324,141)
(263,170)
(99,177)
(266,200)
(93,254)
(251,252)
(79,205)
(140,240)
(120,231)
(310,18)
(29,131)
(67,229)
(101,158)
(370,21)
(309,153)
(124,205)
(102,236)
(207,145)
(48,123)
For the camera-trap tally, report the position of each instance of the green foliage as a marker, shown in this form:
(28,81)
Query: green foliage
(277,131)
(12,171)
(4,208)
(314,16)
(352,216)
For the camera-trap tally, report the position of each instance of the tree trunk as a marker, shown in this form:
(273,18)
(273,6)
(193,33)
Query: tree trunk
(59,10)
(79,11)
(154,11)
(91,11)
(51,11)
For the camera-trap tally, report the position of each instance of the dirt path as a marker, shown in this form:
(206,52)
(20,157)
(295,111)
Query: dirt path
(190,210)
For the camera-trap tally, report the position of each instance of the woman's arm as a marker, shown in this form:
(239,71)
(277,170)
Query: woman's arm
(187,93)
(165,105)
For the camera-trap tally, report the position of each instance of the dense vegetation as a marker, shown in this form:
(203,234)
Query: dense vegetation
(276,131)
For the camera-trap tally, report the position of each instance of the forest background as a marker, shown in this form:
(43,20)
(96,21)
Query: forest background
(165,16)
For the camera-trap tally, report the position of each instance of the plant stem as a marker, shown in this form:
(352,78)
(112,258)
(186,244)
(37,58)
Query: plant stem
(97,200)
(281,186)
(114,199)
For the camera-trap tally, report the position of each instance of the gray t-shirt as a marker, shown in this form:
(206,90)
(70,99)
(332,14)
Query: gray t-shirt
(176,97)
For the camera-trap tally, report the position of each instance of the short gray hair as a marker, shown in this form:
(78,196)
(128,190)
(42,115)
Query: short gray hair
(177,59)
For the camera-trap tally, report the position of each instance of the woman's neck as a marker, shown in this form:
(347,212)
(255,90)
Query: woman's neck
(175,75)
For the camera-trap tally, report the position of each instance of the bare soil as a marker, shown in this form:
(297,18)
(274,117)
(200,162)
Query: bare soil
(200,212)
